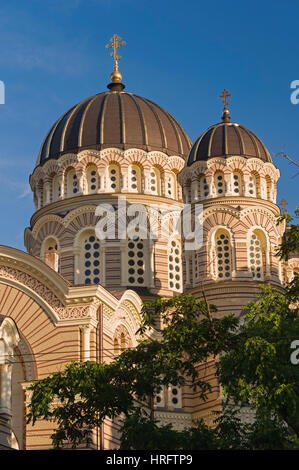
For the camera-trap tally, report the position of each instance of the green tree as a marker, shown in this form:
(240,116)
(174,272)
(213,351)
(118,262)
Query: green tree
(253,366)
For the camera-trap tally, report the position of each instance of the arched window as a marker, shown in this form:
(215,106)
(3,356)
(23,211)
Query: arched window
(170,397)
(121,340)
(56,190)
(170,189)
(175,265)
(134,183)
(160,398)
(219,183)
(92,179)
(257,254)
(136,257)
(174,397)
(50,254)
(71,183)
(254,185)
(89,268)
(223,255)
(237,184)
(155,181)
(204,187)
(113,178)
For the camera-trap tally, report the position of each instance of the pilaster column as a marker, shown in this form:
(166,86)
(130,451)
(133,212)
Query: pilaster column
(38,193)
(47,191)
(61,186)
(86,330)
(194,191)
(124,180)
(80,177)
(263,188)
(147,176)
(228,181)
(5,389)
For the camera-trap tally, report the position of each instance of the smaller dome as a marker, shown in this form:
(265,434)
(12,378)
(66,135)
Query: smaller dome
(227,139)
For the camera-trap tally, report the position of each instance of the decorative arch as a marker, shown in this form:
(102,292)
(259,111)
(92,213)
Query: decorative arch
(221,253)
(258,253)
(89,257)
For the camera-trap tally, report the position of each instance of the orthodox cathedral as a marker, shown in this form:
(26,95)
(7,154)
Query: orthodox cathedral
(74,296)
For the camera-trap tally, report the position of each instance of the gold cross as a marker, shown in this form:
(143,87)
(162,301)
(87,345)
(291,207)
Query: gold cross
(116,43)
(225,94)
(283,203)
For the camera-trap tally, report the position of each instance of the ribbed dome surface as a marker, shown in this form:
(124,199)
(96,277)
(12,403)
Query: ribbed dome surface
(115,119)
(226,139)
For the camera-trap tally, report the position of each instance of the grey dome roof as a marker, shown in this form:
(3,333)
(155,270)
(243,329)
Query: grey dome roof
(226,139)
(115,119)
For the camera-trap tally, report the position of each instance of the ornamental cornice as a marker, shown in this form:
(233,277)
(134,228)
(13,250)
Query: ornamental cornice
(248,202)
(69,311)
(179,420)
(40,274)
(247,163)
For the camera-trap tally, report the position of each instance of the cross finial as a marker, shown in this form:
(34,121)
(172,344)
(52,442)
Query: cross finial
(225,114)
(283,203)
(116,43)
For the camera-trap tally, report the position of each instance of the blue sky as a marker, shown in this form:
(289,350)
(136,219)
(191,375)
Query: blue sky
(179,54)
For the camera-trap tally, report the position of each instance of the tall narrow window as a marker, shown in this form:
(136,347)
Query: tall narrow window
(71,182)
(237,184)
(90,264)
(136,261)
(257,255)
(160,398)
(93,179)
(171,186)
(223,255)
(113,178)
(204,187)
(174,396)
(155,181)
(219,183)
(134,178)
(175,265)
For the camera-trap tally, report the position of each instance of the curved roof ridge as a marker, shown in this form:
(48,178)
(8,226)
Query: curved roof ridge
(82,127)
(249,144)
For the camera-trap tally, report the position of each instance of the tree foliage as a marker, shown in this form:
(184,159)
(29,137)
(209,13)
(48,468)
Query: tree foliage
(253,366)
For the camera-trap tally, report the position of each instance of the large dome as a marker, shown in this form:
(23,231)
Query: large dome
(115,119)
(226,139)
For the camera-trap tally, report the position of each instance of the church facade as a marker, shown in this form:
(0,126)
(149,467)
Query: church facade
(74,296)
